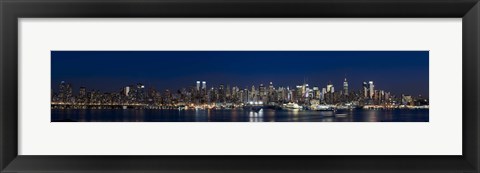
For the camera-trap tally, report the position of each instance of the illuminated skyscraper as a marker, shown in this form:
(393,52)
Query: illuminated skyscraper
(271,92)
(371,89)
(306,90)
(228,91)
(83,92)
(198,85)
(204,85)
(365,89)
(65,92)
(203,92)
(289,94)
(140,95)
(61,91)
(126,90)
(330,87)
(345,87)
(253,96)
(262,90)
(322,94)
(299,92)
(316,92)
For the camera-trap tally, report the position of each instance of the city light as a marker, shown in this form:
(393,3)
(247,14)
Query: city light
(225,97)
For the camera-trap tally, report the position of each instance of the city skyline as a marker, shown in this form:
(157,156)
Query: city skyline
(201,84)
(405,72)
(199,96)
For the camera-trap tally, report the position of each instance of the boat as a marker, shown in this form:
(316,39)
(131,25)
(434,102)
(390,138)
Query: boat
(324,108)
(292,106)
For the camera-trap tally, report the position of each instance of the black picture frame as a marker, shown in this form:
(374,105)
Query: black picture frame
(11,10)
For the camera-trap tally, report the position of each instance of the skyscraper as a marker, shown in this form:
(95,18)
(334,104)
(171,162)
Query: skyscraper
(271,92)
(365,90)
(198,85)
(316,92)
(330,87)
(228,91)
(203,92)
(345,87)
(83,92)
(322,94)
(126,90)
(204,85)
(371,90)
(253,96)
(61,91)
(65,92)
(140,96)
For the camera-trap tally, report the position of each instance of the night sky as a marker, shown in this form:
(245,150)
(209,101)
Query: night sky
(401,72)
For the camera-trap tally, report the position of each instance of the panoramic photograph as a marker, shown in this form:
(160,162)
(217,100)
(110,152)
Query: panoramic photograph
(239,86)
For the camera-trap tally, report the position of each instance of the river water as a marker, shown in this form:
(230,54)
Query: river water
(239,115)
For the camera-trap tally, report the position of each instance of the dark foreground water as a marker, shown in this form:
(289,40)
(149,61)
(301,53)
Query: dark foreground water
(239,115)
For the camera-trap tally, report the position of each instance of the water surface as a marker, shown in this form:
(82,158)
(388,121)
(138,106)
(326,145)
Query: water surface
(239,115)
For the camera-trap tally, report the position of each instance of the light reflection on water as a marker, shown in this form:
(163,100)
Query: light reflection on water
(371,116)
(239,115)
(255,116)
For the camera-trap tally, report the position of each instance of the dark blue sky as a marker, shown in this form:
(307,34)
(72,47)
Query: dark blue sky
(396,71)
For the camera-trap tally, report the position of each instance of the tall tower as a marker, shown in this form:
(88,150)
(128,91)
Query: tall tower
(221,90)
(228,91)
(316,92)
(61,91)
(322,93)
(365,90)
(204,88)
(330,87)
(204,85)
(253,95)
(345,87)
(271,92)
(83,92)
(371,90)
(270,88)
(140,96)
(198,85)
